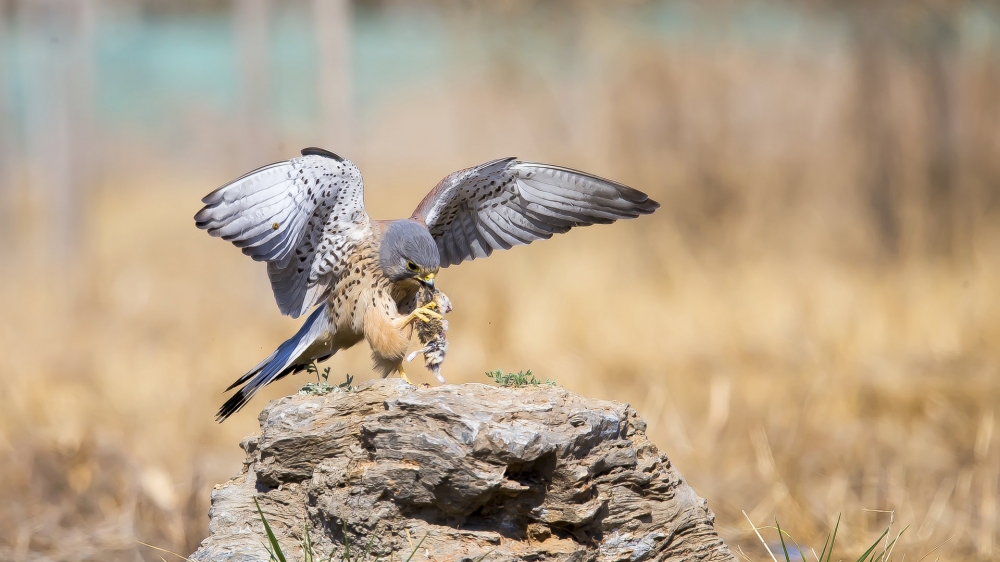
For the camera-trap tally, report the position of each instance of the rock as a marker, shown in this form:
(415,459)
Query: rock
(536,473)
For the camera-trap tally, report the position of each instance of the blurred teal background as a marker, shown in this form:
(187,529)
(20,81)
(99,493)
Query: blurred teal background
(812,325)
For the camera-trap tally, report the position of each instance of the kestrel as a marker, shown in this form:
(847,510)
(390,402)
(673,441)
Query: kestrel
(306,219)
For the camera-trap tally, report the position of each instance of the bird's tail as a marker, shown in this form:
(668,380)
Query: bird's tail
(312,342)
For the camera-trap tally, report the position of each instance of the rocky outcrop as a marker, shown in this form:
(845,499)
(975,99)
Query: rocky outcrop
(537,473)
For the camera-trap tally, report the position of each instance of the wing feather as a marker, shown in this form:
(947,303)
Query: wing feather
(220,194)
(283,214)
(503,227)
(225,210)
(492,233)
(449,250)
(508,202)
(476,241)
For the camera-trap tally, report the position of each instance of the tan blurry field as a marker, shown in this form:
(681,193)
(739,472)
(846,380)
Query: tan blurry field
(809,324)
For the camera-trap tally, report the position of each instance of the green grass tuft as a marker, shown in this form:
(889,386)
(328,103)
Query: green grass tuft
(322,385)
(879,551)
(518,379)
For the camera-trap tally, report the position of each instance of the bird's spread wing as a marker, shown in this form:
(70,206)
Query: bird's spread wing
(302,217)
(507,202)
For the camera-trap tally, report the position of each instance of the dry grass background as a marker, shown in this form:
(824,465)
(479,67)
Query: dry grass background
(790,361)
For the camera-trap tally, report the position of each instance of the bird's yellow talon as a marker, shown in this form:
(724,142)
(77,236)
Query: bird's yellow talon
(425,314)
(403,376)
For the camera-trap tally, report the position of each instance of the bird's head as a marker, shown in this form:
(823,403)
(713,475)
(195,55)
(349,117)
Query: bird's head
(408,251)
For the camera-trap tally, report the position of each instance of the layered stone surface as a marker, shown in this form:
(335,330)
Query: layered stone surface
(526,474)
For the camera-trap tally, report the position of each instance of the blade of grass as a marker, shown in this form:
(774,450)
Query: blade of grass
(829,543)
(178,555)
(739,549)
(415,549)
(887,553)
(409,539)
(935,548)
(371,540)
(270,553)
(762,541)
(802,556)
(270,535)
(873,546)
(784,548)
(892,518)
(307,547)
(347,543)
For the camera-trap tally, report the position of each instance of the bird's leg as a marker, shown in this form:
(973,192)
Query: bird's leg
(423,313)
(402,375)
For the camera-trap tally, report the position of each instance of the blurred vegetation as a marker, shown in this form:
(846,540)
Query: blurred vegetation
(809,325)
(518,379)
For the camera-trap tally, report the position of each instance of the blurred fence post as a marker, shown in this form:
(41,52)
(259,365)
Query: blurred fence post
(85,138)
(252,34)
(939,71)
(6,129)
(48,32)
(877,143)
(333,43)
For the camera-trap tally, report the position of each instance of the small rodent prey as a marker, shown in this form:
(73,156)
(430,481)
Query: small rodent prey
(432,332)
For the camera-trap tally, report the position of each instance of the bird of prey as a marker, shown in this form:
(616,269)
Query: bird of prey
(306,219)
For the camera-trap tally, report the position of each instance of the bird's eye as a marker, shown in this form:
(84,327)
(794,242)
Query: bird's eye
(412,266)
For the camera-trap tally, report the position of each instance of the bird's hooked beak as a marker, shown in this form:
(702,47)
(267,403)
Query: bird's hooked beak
(427,280)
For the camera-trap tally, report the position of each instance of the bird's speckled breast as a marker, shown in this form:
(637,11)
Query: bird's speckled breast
(364,304)
(357,289)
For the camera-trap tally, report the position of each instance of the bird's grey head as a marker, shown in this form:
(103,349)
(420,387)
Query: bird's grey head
(408,251)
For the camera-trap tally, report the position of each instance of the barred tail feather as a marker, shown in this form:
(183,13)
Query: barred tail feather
(312,342)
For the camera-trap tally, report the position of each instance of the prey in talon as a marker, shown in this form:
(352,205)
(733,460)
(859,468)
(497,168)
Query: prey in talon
(431,332)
